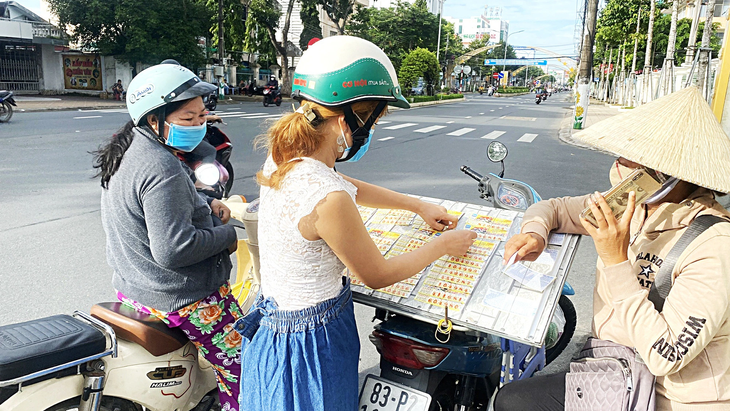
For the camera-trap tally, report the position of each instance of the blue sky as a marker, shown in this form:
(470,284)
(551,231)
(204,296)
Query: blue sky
(549,24)
(546,23)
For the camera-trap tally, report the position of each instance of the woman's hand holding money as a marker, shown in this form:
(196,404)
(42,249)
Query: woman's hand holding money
(611,236)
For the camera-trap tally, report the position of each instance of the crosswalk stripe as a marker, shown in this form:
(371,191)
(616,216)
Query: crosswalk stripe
(397,126)
(386,138)
(244,115)
(381,122)
(493,135)
(461,132)
(230,113)
(83,117)
(429,129)
(527,138)
(272,116)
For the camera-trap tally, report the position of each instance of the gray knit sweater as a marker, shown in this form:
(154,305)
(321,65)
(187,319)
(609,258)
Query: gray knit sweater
(162,242)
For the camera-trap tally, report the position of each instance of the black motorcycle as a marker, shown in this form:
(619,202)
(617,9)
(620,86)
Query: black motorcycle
(210,162)
(211,101)
(6,105)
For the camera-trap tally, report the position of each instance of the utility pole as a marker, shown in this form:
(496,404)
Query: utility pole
(221,46)
(692,42)
(667,85)
(702,69)
(646,90)
(438,41)
(586,64)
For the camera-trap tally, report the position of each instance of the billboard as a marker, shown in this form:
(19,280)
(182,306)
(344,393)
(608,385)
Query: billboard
(82,72)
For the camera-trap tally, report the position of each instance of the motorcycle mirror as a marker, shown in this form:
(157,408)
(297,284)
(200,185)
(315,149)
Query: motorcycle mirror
(208,174)
(496,151)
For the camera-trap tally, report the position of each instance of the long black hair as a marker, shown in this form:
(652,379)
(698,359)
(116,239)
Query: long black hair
(109,156)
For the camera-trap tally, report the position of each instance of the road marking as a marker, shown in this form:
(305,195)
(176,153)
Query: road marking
(493,135)
(429,129)
(449,122)
(230,113)
(461,132)
(527,138)
(380,123)
(468,116)
(79,118)
(491,110)
(518,118)
(397,126)
(481,114)
(245,115)
(272,116)
(386,138)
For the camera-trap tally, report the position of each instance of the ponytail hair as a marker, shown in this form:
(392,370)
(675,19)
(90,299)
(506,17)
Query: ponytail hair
(108,157)
(294,136)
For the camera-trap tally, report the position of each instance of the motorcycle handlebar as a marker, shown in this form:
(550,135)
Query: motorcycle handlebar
(471,173)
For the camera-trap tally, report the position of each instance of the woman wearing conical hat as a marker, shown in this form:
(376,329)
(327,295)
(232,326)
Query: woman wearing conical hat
(686,341)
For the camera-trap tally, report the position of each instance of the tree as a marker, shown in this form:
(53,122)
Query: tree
(418,63)
(310,20)
(337,10)
(234,21)
(138,31)
(267,13)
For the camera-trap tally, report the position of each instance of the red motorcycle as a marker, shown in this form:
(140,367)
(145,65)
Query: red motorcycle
(272,95)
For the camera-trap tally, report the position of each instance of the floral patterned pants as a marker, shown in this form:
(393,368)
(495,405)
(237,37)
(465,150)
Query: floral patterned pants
(208,323)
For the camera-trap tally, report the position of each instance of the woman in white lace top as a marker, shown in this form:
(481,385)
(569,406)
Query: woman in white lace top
(301,348)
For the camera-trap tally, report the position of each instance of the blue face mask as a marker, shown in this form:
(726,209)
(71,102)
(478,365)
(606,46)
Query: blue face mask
(185,138)
(363,149)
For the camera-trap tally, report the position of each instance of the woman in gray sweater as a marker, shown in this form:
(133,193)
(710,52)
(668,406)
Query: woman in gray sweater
(167,244)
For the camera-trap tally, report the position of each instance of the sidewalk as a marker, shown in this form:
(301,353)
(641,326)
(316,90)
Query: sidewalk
(597,111)
(64,102)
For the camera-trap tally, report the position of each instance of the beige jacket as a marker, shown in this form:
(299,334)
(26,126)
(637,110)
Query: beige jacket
(687,345)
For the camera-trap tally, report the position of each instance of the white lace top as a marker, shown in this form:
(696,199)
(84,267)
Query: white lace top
(296,272)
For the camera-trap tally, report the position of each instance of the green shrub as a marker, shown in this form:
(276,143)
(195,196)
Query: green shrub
(421,99)
(511,90)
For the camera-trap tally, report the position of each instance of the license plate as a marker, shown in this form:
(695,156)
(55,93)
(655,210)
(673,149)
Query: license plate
(379,394)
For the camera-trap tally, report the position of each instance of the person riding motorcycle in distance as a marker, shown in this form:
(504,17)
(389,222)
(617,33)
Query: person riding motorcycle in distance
(301,348)
(168,245)
(686,342)
(273,82)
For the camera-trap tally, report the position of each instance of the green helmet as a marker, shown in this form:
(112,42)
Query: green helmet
(341,70)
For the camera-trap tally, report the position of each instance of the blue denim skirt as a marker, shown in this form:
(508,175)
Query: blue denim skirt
(303,360)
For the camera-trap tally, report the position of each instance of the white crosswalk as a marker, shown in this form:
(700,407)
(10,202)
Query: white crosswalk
(399,126)
(461,132)
(493,135)
(527,138)
(429,129)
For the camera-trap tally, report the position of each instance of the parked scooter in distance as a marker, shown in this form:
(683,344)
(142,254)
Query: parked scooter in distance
(463,372)
(6,105)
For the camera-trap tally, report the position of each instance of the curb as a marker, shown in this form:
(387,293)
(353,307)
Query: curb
(34,110)
(510,94)
(565,134)
(436,102)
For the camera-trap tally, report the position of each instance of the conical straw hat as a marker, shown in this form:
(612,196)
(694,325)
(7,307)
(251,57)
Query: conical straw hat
(677,134)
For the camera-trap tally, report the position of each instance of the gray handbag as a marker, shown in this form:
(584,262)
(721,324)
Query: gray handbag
(611,377)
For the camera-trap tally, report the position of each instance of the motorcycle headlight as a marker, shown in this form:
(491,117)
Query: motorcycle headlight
(207,174)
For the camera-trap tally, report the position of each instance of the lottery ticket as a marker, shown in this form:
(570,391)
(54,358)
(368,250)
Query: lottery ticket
(440,297)
(366,212)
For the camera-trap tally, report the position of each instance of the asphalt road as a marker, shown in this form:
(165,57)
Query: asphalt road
(52,256)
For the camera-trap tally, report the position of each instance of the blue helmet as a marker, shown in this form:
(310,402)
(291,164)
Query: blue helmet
(162,84)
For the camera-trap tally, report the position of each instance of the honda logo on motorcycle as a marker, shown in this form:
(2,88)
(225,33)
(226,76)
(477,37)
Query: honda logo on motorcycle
(167,373)
(402,371)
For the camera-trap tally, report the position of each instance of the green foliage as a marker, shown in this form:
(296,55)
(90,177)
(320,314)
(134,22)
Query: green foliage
(512,90)
(262,15)
(233,24)
(144,31)
(399,30)
(310,21)
(337,10)
(419,63)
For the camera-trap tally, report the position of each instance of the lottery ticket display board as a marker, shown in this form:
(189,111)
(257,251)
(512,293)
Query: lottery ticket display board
(515,301)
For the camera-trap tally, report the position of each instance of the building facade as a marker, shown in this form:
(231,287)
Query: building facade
(490,24)
(687,10)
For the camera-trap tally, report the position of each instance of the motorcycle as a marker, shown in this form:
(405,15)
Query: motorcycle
(538,99)
(211,101)
(210,162)
(463,372)
(272,95)
(6,105)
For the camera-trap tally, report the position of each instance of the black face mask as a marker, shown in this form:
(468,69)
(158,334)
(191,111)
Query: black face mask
(360,133)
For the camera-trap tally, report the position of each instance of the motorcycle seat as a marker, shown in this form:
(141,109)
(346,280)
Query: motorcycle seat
(140,328)
(44,343)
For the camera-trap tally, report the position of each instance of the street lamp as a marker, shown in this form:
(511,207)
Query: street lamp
(438,41)
(505,48)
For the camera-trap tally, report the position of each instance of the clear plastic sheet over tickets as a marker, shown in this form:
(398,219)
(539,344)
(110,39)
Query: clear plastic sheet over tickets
(478,292)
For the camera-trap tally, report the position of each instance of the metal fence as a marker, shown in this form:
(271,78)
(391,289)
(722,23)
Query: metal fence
(19,67)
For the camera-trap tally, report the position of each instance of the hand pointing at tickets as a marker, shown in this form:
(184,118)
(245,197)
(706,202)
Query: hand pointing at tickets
(437,217)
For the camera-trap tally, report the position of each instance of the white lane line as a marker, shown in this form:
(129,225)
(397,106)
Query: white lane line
(481,114)
(429,129)
(386,138)
(230,113)
(397,126)
(527,138)
(380,123)
(461,132)
(468,116)
(491,110)
(493,135)
(82,117)
(272,116)
(449,122)
(245,115)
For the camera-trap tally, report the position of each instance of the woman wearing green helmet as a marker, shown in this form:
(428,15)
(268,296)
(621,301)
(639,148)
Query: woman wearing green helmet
(300,345)
(168,245)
